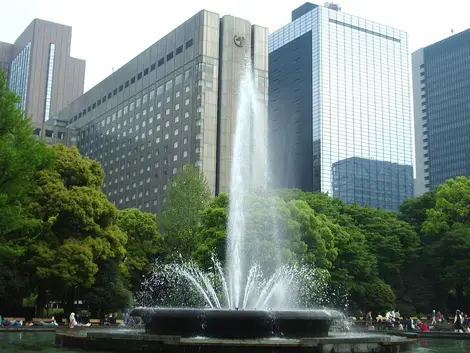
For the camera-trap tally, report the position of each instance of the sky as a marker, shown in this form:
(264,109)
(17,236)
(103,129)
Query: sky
(107,34)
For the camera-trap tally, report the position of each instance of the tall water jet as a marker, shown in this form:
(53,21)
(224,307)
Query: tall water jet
(249,177)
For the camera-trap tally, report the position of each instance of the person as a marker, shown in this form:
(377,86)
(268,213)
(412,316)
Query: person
(434,321)
(51,323)
(73,321)
(458,322)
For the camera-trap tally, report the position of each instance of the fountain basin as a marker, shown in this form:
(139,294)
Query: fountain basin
(236,324)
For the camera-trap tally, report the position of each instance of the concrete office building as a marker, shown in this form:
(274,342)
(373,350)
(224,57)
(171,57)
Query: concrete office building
(441,96)
(172,105)
(339,89)
(41,71)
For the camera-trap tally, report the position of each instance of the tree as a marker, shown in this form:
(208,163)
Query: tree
(110,291)
(394,242)
(188,195)
(448,227)
(78,226)
(213,232)
(21,156)
(143,242)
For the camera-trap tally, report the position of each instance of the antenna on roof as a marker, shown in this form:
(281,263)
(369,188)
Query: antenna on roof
(113,70)
(452,31)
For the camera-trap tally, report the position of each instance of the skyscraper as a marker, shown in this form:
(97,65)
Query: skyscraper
(340,90)
(41,71)
(441,96)
(173,104)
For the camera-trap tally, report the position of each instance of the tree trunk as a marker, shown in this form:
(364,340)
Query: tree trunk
(70,307)
(41,301)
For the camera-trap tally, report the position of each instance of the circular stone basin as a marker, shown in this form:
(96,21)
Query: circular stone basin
(236,324)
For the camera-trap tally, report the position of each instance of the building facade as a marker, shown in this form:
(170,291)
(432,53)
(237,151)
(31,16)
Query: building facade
(441,97)
(339,90)
(371,182)
(41,70)
(172,105)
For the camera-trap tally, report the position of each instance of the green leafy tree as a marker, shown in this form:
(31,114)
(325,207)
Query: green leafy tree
(213,232)
(188,195)
(143,242)
(110,291)
(21,156)
(379,296)
(448,228)
(78,226)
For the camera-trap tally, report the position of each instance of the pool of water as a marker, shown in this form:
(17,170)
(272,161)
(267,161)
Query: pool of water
(43,342)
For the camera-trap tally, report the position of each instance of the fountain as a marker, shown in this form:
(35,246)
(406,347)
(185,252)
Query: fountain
(256,301)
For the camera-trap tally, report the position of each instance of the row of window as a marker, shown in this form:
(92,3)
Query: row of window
(139,76)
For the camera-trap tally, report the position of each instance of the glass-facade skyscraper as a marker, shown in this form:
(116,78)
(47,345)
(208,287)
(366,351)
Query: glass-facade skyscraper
(441,94)
(340,91)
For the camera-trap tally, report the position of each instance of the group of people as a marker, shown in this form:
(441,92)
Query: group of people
(16,323)
(392,320)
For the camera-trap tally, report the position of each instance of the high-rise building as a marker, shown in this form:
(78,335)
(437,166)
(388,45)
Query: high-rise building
(339,90)
(172,105)
(372,183)
(41,71)
(441,96)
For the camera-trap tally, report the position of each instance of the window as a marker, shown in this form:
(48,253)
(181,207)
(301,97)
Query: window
(150,132)
(185,128)
(119,113)
(175,170)
(159,90)
(144,99)
(159,104)
(169,56)
(150,120)
(176,132)
(189,43)
(152,67)
(177,94)
(168,85)
(185,140)
(167,136)
(175,144)
(168,99)
(177,106)
(158,127)
(177,119)
(186,115)
(139,75)
(185,153)
(137,103)
(179,50)
(178,79)
(187,74)
(126,109)
(146,72)
(167,123)
(131,106)
(157,140)
(159,116)
(186,102)
(152,94)
(161,62)
(186,89)
(167,112)
(132,80)
(175,158)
